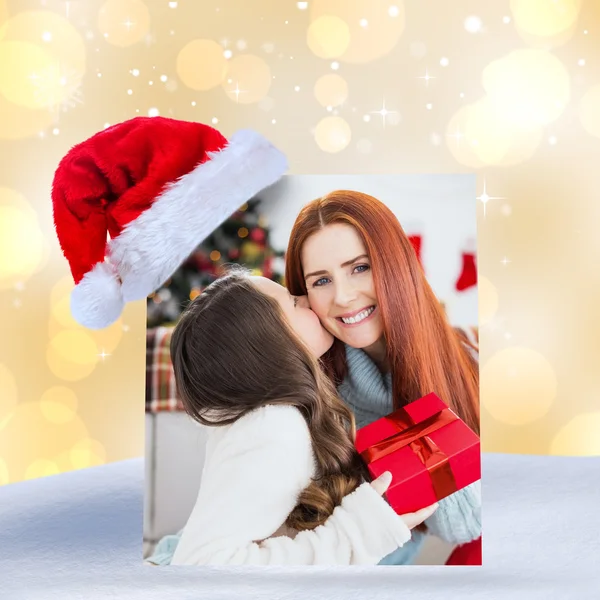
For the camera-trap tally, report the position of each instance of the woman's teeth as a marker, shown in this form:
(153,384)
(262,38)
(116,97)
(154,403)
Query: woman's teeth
(361,316)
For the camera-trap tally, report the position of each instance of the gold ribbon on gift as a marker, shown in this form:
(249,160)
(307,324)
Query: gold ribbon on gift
(416,435)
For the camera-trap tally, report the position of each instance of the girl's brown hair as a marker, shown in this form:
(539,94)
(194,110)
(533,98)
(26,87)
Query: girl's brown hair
(424,352)
(232,352)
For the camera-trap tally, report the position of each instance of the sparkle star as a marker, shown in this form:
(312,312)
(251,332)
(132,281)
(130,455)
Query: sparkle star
(505,261)
(485,197)
(237,92)
(426,77)
(128,24)
(457,136)
(103,355)
(384,112)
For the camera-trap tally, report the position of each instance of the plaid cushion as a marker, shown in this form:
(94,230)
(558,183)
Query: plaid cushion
(161,395)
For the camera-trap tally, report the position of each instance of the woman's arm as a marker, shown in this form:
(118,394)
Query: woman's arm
(252,482)
(458,517)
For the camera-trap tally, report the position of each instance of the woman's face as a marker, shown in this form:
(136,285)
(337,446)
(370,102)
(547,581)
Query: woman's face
(301,318)
(341,291)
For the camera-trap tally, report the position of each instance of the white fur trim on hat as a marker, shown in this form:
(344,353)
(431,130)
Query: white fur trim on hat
(151,248)
(97,301)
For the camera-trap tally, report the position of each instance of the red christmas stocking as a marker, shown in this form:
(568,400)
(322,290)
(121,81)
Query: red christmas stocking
(468,277)
(416,241)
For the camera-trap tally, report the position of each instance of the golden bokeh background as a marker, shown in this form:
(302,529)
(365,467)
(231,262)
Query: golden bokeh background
(509,90)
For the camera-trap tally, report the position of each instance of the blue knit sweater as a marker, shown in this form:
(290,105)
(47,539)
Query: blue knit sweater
(368,393)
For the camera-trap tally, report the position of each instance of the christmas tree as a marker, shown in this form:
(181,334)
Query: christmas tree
(241,239)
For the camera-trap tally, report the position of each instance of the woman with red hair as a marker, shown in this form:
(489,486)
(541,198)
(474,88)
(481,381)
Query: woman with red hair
(350,255)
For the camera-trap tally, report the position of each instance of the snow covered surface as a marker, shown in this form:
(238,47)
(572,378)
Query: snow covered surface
(79,535)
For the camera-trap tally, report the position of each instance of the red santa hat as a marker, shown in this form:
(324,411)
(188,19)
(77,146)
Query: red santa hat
(157,187)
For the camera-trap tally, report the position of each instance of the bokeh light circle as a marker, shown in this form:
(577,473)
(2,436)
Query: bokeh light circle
(476,136)
(21,240)
(8,391)
(331,90)
(527,88)
(578,437)
(332,134)
(363,30)
(29,76)
(248,79)
(328,36)
(87,453)
(518,386)
(545,18)
(72,355)
(201,64)
(589,113)
(41,467)
(124,22)
(34,443)
(66,47)
(59,404)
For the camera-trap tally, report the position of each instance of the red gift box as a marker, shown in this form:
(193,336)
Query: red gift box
(429,450)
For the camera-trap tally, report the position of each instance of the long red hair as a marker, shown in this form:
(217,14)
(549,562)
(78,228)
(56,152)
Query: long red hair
(424,351)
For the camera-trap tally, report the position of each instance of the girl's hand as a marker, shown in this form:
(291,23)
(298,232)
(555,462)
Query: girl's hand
(382,483)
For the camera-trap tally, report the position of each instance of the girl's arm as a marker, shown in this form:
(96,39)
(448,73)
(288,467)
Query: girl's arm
(250,484)
(458,517)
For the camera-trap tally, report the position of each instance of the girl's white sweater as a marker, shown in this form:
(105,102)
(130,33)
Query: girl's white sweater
(254,471)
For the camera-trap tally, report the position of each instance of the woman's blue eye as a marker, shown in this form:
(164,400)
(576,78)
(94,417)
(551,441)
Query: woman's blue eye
(319,283)
(362,268)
